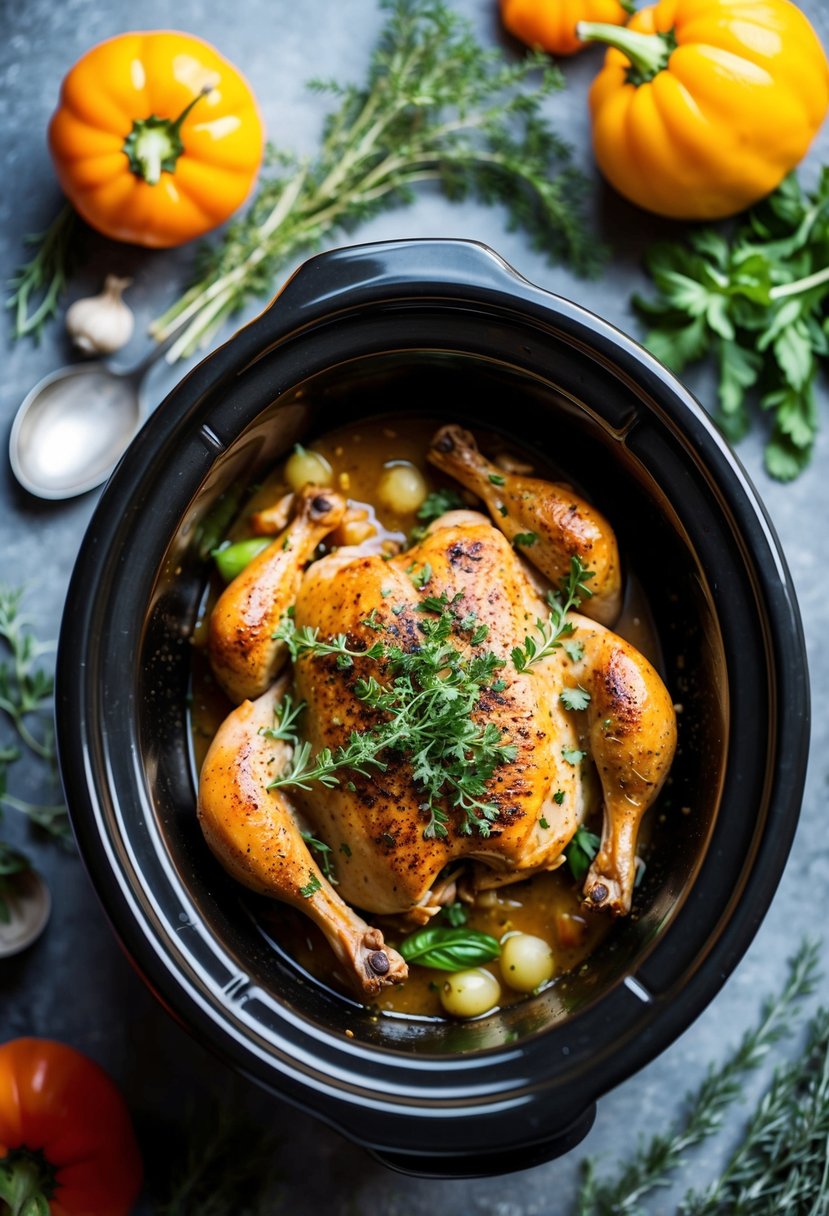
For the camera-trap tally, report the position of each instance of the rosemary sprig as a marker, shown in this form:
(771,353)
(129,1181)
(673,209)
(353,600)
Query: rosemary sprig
(226,1164)
(39,283)
(782,1164)
(436,107)
(653,1163)
(551,632)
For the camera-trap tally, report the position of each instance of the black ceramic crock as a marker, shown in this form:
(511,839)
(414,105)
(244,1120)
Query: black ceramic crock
(445,328)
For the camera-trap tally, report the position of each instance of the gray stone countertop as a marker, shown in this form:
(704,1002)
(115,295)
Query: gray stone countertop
(75,984)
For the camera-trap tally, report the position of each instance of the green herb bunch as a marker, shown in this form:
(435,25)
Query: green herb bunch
(26,688)
(436,107)
(755,300)
(426,700)
(779,1165)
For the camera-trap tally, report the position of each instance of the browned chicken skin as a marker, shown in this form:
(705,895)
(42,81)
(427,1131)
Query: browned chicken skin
(253,832)
(616,751)
(563,523)
(244,654)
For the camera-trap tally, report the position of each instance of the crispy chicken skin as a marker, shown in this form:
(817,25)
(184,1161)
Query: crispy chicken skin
(244,655)
(563,523)
(616,751)
(254,833)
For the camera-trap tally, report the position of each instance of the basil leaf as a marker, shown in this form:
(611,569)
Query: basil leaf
(449,949)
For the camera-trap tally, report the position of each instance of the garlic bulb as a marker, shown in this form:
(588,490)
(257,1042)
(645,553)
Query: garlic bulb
(100,325)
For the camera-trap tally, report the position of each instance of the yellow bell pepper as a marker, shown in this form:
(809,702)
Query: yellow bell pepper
(157,138)
(551,24)
(703,106)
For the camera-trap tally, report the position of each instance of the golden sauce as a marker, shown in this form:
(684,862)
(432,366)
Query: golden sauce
(549,905)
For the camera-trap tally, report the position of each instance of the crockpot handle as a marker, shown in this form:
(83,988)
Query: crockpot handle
(493,1162)
(403,267)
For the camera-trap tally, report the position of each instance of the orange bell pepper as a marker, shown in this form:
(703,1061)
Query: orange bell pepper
(156,138)
(67,1145)
(703,106)
(551,24)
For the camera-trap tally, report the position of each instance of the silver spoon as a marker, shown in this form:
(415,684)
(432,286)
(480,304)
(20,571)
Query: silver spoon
(74,425)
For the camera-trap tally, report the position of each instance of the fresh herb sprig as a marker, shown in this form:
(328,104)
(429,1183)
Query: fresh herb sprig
(305,640)
(754,300)
(436,107)
(38,285)
(781,1162)
(13,863)
(435,504)
(551,632)
(26,690)
(653,1164)
(221,1162)
(581,850)
(426,698)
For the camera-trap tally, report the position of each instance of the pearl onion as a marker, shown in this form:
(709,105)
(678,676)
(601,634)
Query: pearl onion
(526,962)
(402,488)
(466,994)
(307,468)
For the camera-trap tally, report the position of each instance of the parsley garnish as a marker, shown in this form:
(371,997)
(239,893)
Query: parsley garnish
(435,504)
(497,479)
(421,578)
(581,850)
(573,755)
(573,590)
(456,914)
(311,887)
(525,538)
(558,797)
(427,707)
(542,823)
(755,303)
(574,651)
(575,698)
(323,852)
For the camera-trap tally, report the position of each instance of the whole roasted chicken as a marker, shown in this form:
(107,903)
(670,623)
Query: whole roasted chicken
(441,720)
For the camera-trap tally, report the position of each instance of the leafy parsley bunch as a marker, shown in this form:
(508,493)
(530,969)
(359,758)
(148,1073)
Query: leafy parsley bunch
(755,300)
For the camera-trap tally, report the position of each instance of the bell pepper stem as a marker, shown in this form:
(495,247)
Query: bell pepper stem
(154,144)
(23,1187)
(648,53)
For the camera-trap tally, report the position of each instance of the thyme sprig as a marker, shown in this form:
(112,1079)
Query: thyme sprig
(436,107)
(652,1165)
(427,707)
(306,640)
(556,627)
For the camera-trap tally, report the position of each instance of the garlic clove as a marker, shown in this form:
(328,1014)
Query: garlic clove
(102,324)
